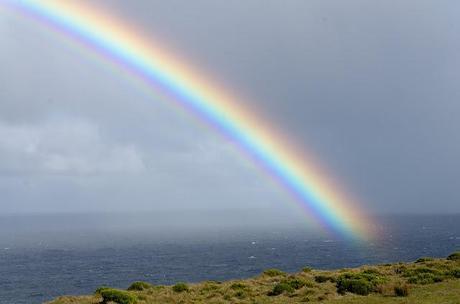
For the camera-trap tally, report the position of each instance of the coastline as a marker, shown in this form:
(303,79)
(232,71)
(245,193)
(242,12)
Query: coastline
(426,280)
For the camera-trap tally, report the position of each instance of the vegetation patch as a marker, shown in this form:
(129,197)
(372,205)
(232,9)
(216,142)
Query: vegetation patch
(297,283)
(210,287)
(98,290)
(180,287)
(362,283)
(238,286)
(273,272)
(401,290)
(116,296)
(400,269)
(371,271)
(139,286)
(455,273)
(423,275)
(307,269)
(454,256)
(355,285)
(324,278)
(281,288)
(424,260)
(240,294)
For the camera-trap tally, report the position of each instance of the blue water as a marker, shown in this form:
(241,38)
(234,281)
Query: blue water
(42,257)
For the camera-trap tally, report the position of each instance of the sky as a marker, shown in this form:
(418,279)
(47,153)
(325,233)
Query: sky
(369,88)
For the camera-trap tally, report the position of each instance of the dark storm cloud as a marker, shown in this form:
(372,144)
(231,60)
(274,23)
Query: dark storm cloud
(371,87)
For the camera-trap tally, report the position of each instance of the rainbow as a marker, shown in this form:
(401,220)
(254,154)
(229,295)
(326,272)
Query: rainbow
(144,58)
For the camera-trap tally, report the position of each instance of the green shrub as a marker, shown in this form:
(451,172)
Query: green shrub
(281,288)
(98,291)
(307,269)
(295,283)
(361,283)
(419,270)
(273,272)
(371,271)
(354,285)
(401,290)
(423,275)
(454,273)
(158,287)
(324,278)
(424,259)
(180,287)
(454,256)
(424,279)
(139,286)
(116,296)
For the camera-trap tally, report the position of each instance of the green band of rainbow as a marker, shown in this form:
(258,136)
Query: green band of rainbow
(142,56)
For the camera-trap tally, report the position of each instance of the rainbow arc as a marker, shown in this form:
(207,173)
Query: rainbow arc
(115,41)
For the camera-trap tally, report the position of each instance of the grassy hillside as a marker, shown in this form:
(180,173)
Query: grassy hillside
(425,281)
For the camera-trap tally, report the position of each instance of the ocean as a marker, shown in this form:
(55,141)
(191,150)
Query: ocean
(45,256)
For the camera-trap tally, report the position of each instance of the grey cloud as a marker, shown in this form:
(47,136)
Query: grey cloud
(370,87)
(66,146)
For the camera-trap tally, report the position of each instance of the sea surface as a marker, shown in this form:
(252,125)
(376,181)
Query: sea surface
(45,256)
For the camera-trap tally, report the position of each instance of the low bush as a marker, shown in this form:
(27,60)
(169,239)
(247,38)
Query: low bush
(424,259)
(180,287)
(98,291)
(362,283)
(371,271)
(401,290)
(281,288)
(454,256)
(116,296)
(307,269)
(139,286)
(273,272)
(424,279)
(296,283)
(423,275)
(455,273)
(418,270)
(324,278)
(355,285)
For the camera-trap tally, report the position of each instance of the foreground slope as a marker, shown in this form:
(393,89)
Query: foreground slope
(425,281)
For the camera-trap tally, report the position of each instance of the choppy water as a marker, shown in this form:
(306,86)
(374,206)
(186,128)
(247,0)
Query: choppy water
(42,257)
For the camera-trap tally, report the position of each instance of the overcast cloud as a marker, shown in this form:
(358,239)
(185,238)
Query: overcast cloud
(371,87)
